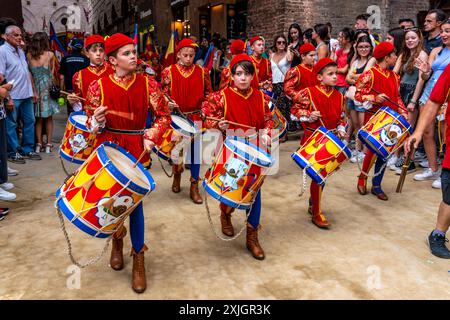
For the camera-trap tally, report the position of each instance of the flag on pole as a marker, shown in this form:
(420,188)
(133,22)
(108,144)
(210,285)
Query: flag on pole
(209,58)
(136,37)
(56,45)
(169,58)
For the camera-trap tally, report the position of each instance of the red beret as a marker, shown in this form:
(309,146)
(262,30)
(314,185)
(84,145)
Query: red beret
(305,48)
(383,49)
(116,41)
(186,43)
(95,38)
(322,63)
(254,39)
(237,47)
(239,58)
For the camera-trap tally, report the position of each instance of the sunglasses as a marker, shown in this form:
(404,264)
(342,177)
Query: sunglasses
(281,42)
(410,29)
(363,47)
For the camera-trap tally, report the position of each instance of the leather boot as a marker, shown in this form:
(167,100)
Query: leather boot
(194,193)
(116,260)
(176,170)
(253,244)
(139,280)
(320,221)
(362,184)
(225,220)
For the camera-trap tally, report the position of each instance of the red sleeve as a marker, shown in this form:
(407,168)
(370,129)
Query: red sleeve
(225,77)
(76,84)
(166,80)
(93,100)
(303,107)
(268,118)
(207,83)
(213,107)
(364,87)
(441,90)
(290,82)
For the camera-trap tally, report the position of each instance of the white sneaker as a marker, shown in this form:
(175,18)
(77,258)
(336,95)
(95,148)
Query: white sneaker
(424,164)
(358,156)
(392,160)
(12,172)
(7,186)
(437,184)
(7,196)
(427,174)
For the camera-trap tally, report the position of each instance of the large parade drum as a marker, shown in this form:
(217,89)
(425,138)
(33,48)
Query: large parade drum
(237,173)
(101,194)
(279,122)
(321,155)
(78,142)
(385,132)
(184,128)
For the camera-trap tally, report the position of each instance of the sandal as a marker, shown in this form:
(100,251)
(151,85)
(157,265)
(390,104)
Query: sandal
(38,148)
(48,148)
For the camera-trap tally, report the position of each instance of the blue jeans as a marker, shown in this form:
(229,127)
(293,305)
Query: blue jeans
(24,110)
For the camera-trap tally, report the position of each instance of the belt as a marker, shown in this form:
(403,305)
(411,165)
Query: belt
(130,132)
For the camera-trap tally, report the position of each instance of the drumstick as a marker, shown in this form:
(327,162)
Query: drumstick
(231,122)
(405,166)
(67,93)
(315,109)
(388,99)
(140,157)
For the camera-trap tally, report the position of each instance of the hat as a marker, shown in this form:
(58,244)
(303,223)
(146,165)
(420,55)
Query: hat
(95,38)
(305,48)
(239,58)
(116,41)
(322,63)
(187,43)
(76,43)
(237,47)
(254,39)
(383,49)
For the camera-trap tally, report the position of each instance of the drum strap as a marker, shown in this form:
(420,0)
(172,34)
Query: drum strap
(314,130)
(131,132)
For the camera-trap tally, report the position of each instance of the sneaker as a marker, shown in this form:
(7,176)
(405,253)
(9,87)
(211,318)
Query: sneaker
(358,157)
(12,172)
(32,156)
(424,164)
(2,216)
(427,174)
(7,186)
(398,164)
(419,156)
(4,211)
(7,196)
(16,158)
(392,161)
(437,246)
(437,184)
(411,168)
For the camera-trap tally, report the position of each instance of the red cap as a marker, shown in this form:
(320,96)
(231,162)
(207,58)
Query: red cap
(322,63)
(186,43)
(95,38)
(237,47)
(116,41)
(254,39)
(305,48)
(383,49)
(239,58)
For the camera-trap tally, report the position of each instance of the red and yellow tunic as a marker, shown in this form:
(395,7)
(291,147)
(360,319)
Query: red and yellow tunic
(158,70)
(297,79)
(263,72)
(187,86)
(325,99)
(83,78)
(128,100)
(440,95)
(384,81)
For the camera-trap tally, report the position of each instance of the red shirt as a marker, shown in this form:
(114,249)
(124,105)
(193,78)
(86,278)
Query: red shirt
(341,61)
(440,95)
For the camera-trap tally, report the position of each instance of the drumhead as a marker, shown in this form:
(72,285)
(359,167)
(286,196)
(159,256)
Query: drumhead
(80,118)
(249,151)
(183,125)
(125,166)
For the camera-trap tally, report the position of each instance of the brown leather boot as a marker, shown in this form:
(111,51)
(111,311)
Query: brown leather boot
(176,170)
(139,280)
(194,193)
(225,220)
(116,260)
(253,244)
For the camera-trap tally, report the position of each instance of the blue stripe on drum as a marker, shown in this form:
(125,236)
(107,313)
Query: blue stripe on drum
(77,124)
(221,198)
(244,155)
(181,130)
(373,144)
(160,154)
(65,156)
(302,163)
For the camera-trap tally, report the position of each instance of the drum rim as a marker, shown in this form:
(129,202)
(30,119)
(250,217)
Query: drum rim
(399,117)
(299,160)
(222,198)
(181,130)
(363,135)
(118,175)
(242,154)
(77,124)
(65,156)
(336,140)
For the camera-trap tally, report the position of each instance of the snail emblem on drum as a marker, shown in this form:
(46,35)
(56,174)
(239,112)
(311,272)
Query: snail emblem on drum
(390,134)
(233,171)
(78,143)
(110,209)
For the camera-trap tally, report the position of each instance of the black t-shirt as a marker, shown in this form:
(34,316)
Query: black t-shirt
(70,64)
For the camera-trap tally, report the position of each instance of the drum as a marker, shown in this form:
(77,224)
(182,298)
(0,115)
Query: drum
(279,122)
(321,155)
(106,188)
(237,173)
(181,126)
(77,143)
(385,132)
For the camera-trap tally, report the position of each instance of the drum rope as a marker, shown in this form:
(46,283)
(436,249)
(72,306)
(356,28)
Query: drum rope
(164,169)
(64,167)
(69,245)
(212,225)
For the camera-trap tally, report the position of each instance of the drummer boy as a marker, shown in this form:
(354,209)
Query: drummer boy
(320,105)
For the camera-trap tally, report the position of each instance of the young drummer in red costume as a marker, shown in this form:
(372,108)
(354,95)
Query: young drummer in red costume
(188,85)
(236,47)
(263,75)
(320,105)
(242,104)
(383,80)
(119,103)
(95,48)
